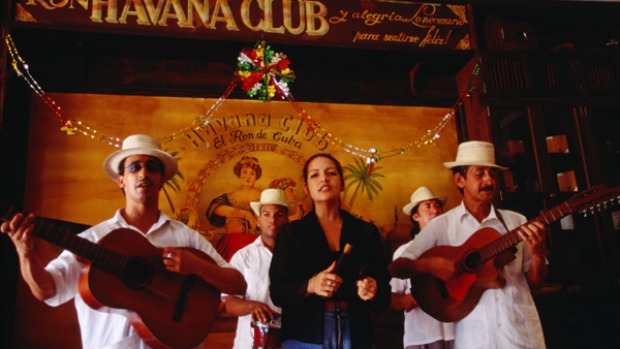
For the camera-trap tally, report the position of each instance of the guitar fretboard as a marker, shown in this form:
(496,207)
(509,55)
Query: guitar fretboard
(591,201)
(100,256)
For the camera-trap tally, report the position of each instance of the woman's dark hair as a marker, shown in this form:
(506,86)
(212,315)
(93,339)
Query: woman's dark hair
(248,161)
(324,155)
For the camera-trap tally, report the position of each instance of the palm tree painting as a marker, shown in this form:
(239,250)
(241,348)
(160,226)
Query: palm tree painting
(173,183)
(363,177)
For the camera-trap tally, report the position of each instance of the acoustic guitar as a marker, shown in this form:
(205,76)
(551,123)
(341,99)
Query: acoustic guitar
(124,270)
(481,258)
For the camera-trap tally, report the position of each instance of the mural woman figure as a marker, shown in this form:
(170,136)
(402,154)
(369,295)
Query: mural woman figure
(297,209)
(232,210)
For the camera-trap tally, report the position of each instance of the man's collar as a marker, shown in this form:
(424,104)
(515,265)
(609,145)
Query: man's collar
(163,218)
(463,212)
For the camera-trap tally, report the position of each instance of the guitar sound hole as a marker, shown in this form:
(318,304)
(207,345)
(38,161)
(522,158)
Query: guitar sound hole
(471,261)
(137,273)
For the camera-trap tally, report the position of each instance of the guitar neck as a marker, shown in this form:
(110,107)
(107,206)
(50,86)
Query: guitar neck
(590,201)
(512,238)
(98,255)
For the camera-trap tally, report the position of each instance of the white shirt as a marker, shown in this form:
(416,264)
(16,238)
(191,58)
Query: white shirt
(253,262)
(102,328)
(503,318)
(420,328)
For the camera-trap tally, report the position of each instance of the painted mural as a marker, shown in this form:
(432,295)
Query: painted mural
(247,146)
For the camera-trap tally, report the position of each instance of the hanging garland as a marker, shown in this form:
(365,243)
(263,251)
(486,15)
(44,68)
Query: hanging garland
(69,124)
(263,74)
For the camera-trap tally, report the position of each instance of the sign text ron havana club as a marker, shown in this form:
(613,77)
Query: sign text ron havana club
(203,13)
(384,23)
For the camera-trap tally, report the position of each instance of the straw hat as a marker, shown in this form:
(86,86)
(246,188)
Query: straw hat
(422,194)
(269,197)
(475,153)
(140,145)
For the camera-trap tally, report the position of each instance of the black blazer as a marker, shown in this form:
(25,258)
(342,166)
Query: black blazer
(301,251)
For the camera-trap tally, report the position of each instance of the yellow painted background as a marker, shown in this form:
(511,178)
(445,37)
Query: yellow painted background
(66,181)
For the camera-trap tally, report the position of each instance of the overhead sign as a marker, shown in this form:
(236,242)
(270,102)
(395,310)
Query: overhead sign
(344,23)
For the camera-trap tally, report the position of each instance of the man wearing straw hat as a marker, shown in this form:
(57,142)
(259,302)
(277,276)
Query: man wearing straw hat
(421,331)
(503,317)
(253,262)
(140,170)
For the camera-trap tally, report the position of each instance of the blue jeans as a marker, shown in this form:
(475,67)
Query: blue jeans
(337,330)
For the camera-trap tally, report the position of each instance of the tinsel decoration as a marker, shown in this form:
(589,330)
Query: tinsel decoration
(263,73)
(258,79)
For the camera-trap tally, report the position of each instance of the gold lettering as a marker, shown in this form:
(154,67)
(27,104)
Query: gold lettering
(433,37)
(402,37)
(222,5)
(97,12)
(154,12)
(427,10)
(177,13)
(365,36)
(245,16)
(267,7)
(59,4)
(202,9)
(41,2)
(339,19)
(139,12)
(288,20)
(312,17)
(83,3)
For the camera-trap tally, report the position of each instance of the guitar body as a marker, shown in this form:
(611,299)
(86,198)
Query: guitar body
(168,310)
(454,299)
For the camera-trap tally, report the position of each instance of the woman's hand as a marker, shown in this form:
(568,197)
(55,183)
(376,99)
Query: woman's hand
(366,288)
(325,283)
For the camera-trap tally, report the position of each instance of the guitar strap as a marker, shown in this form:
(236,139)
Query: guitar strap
(501,219)
(512,249)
